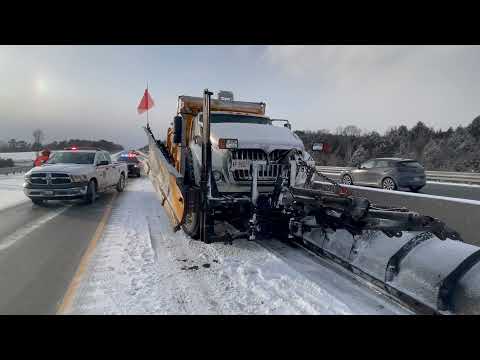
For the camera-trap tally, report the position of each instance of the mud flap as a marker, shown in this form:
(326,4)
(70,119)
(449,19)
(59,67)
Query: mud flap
(167,182)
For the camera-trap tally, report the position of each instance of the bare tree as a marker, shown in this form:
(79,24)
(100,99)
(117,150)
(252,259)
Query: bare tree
(38,137)
(349,133)
(351,130)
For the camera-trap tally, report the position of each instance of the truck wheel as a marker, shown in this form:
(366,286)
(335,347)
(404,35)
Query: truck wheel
(37,201)
(192,216)
(121,183)
(192,221)
(91,194)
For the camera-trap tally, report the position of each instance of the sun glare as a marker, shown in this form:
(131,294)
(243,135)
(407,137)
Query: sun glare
(40,86)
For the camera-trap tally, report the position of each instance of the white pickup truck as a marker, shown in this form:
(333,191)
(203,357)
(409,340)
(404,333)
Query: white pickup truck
(75,173)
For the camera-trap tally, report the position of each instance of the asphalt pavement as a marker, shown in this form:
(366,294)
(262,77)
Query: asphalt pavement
(41,247)
(40,250)
(452,190)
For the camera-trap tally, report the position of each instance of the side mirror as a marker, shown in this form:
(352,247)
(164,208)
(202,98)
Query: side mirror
(177,125)
(288,126)
(358,166)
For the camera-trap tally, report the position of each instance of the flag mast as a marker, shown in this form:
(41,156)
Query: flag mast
(148,125)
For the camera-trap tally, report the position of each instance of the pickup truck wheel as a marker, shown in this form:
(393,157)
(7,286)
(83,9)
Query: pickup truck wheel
(121,183)
(91,194)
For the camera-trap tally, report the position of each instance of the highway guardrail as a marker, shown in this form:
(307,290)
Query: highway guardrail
(446,176)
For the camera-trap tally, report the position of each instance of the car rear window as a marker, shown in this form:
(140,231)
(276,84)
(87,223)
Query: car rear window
(128,160)
(410,164)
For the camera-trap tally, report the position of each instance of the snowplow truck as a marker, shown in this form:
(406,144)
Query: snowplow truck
(227,171)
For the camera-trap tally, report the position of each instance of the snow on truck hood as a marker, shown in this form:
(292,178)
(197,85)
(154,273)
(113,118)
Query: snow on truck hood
(266,137)
(74,169)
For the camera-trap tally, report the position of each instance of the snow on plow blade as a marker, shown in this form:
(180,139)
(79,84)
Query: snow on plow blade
(432,275)
(167,182)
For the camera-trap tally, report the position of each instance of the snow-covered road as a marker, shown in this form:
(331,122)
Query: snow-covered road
(141,267)
(11,191)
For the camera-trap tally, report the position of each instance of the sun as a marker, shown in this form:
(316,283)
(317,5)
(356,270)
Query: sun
(40,85)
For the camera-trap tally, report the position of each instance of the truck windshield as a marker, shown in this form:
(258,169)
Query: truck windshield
(72,158)
(242,119)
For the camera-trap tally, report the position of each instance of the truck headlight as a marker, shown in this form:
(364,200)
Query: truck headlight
(227,143)
(78,178)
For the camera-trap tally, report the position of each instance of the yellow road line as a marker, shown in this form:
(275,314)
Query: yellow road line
(67,301)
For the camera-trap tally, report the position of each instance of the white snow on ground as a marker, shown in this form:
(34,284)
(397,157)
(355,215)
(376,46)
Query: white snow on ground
(19,156)
(11,190)
(141,267)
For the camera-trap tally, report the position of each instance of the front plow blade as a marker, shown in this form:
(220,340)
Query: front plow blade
(431,275)
(167,182)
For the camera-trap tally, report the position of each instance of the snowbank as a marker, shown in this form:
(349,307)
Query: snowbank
(141,267)
(11,191)
(19,156)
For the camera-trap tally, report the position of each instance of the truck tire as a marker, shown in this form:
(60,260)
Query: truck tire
(121,183)
(192,217)
(91,194)
(191,223)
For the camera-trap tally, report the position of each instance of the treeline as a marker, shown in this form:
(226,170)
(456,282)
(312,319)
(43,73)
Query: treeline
(21,146)
(6,163)
(102,144)
(450,150)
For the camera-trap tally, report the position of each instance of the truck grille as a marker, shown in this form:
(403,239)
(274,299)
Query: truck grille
(50,179)
(266,172)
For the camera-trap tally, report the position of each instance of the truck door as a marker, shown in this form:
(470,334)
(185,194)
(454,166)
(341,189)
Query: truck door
(102,171)
(112,171)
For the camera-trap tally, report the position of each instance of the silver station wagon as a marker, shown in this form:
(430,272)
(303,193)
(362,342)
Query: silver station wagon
(387,173)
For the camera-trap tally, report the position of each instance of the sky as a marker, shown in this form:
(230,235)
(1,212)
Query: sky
(92,92)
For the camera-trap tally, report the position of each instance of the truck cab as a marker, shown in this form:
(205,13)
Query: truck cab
(74,173)
(237,140)
(240,133)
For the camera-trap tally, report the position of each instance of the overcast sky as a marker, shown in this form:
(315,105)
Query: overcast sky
(93,91)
